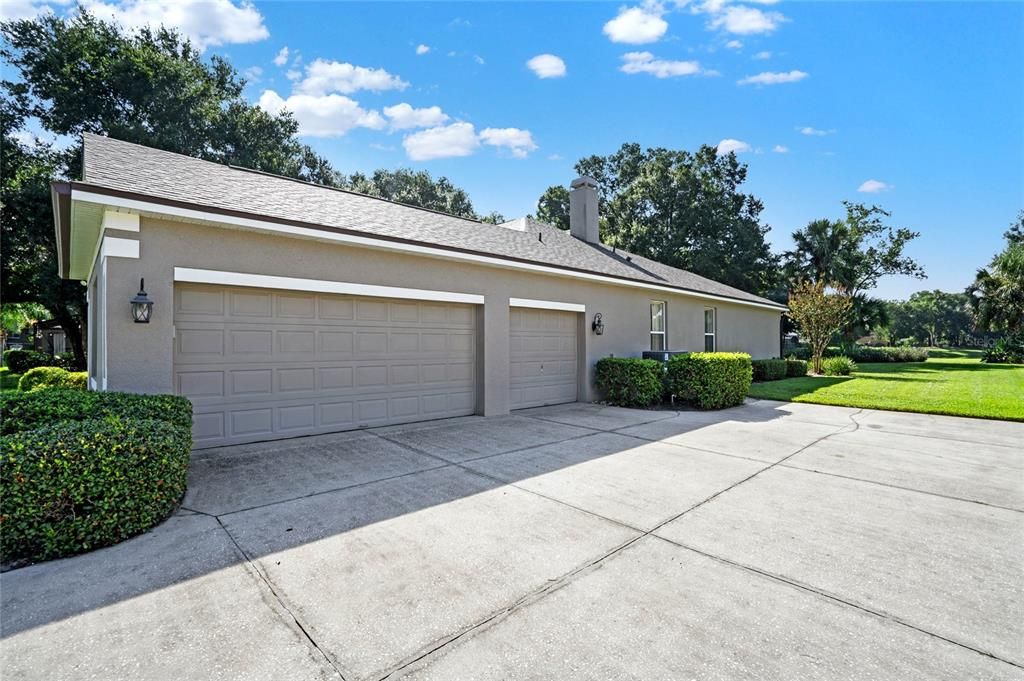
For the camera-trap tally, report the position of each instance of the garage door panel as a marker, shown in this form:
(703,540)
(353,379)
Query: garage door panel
(259,365)
(543,360)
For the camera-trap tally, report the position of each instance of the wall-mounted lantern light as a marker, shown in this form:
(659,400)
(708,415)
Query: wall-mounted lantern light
(142,306)
(597,325)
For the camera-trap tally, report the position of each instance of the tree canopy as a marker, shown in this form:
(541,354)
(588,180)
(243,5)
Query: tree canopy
(930,317)
(996,296)
(684,209)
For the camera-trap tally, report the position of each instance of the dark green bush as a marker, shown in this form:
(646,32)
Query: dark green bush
(51,377)
(79,485)
(630,382)
(796,367)
(838,366)
(711,380)
(1009,350)
(20,361)
(24,411)
(768,369)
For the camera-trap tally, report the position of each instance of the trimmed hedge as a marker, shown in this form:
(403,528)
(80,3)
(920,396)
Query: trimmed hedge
(20,361)
(711,380)
(52,377)
(869,353)
(80,485)
(24,411)
(796,368)
(630,382)
(769,369)
(838,366)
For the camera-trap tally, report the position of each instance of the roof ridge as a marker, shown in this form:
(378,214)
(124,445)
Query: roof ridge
(277,176)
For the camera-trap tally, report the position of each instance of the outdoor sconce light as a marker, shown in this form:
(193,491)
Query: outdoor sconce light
(597,325)
(142,306)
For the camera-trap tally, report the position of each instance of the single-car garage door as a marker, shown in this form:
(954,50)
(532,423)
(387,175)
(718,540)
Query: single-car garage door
(543,354)
(261,364)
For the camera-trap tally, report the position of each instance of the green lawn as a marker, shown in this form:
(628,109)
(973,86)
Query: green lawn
(951,382)
(8,381)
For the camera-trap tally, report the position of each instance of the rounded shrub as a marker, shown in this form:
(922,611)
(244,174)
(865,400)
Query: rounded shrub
(711,380)
(796,368)
(78,380)
(630,382)
(768,369)
(49,377)
(79,485)
(24,411)
(838,366)
(20,361)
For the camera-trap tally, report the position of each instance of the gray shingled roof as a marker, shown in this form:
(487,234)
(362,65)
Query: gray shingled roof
(122,166)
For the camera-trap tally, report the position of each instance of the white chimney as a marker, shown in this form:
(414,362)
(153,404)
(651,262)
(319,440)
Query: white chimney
(583,210)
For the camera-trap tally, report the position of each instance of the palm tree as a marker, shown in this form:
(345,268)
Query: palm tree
(997,294)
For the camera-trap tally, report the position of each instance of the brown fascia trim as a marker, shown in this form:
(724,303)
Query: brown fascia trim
(60,196)
(120,193)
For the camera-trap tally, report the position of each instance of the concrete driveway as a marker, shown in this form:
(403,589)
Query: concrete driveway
(770,541)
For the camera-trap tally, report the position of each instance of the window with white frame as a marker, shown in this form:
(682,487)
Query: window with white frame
(709,329)
(658,325)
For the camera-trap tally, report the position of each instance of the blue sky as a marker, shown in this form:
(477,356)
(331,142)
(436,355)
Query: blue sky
(924,99)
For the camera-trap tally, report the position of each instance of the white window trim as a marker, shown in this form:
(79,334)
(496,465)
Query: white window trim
(546,305)
(664,325)
(714,329)
(268,225)
(198,276)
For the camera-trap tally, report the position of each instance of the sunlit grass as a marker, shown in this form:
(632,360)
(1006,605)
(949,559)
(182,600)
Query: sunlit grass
(8,381)
(953,382)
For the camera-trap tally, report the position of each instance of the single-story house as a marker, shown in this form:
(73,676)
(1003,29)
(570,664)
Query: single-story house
(283,308)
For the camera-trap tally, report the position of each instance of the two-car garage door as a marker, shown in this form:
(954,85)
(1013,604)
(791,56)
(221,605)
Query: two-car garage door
(261,364)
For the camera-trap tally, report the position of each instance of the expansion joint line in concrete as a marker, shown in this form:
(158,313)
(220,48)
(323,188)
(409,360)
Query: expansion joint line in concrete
(565,579)
(251,564)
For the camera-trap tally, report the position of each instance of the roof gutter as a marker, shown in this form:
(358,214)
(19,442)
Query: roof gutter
(82,191)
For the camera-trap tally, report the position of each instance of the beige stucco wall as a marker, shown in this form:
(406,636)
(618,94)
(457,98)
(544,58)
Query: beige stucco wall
(140,356)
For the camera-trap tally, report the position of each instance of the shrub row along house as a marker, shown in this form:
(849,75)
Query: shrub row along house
(282,308)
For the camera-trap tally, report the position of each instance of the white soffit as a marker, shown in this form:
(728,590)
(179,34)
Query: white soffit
(198,276)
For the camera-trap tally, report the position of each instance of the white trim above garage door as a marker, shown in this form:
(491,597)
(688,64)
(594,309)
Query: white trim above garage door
(547,305)
(198,276)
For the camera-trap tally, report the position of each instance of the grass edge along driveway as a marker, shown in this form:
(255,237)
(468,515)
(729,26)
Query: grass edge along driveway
(951,382)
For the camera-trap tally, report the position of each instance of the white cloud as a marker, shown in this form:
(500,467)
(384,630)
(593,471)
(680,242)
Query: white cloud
(555,157)
(771,78)
(779,149)
(814,132)
(519,142)
(331,76)
(637,25)
(873,187)
(478,59)
(422,49)
(324,115)
(253,73)
(205,22)
(15,10)
(448,141)
(403,116)
(742,20)
(293,74)
(547,66)
(763,55)
(734,44)
(282,57)
(644,62)
(731,145)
